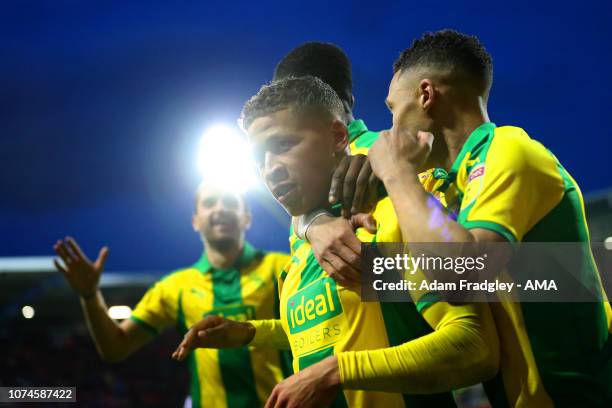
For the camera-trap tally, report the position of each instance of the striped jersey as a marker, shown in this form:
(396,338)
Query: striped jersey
(321,318)
(552,353)
(242,377)
(360,138)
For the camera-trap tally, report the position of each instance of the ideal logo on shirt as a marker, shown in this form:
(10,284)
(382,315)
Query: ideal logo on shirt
(313,305)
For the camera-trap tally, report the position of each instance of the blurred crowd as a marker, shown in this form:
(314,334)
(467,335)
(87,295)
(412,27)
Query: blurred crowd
(43,357)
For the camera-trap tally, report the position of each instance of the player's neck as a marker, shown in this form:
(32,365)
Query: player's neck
(455,136)
(223,258)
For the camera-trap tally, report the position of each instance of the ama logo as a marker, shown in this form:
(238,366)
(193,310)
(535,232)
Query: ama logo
(313,305)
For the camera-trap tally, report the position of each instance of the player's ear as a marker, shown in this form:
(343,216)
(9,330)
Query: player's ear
(194,223)
(340,135)
(427,94)
(247,218)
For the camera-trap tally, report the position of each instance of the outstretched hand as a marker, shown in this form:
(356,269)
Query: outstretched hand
(82,274)
(214,332)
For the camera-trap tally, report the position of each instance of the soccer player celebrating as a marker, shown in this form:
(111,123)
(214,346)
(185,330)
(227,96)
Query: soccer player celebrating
(346,352)
(504,187)
(331,65)
(231,279)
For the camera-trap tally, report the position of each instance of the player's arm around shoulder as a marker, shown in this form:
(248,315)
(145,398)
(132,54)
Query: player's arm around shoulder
(462,350)
(277,262)
(470,330)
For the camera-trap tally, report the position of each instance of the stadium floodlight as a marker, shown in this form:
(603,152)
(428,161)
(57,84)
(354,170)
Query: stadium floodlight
(608,243)
(225,160)
(119,312)
(27,311)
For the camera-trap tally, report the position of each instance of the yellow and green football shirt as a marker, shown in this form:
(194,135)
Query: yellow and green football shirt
(552,353)
(322,318)
(360,138)
(242,377)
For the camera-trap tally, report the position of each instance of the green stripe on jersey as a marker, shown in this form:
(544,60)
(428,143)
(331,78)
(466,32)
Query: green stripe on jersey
(311,272)
(194,386)
(285,357)
(234,364)
(317,356)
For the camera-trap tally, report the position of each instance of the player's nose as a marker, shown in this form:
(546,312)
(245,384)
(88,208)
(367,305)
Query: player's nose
(273,172)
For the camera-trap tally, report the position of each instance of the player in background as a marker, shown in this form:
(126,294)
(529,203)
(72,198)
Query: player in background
(231,279)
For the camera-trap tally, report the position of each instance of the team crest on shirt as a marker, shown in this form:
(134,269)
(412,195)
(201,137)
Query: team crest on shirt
(239,313)
(475,184)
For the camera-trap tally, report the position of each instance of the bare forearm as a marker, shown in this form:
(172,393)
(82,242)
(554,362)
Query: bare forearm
(421,217)
(109,338)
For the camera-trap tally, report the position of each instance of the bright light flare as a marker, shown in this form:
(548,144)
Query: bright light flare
(27,312)
(119,312)
(225,160)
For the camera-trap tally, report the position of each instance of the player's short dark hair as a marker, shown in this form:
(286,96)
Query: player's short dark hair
(445,49)
(325,61)
(304,94)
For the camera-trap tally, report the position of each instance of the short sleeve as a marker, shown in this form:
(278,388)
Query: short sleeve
(156,311)
(513,185)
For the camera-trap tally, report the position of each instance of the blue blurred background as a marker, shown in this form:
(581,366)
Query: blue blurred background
(102,105)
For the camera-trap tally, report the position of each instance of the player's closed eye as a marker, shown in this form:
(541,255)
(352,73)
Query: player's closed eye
(230,202)
(209,202)
(282,146)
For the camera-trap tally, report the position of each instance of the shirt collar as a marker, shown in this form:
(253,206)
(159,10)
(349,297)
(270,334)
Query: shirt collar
(475,138)
(355,129)
(247,255)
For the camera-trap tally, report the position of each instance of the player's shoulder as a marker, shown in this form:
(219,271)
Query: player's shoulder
(387,227)
(511,134)
(275,257)
(364,142)
(512,144)
(178,276)
(270,264)
(514,138)
(383,209)
(271,261)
